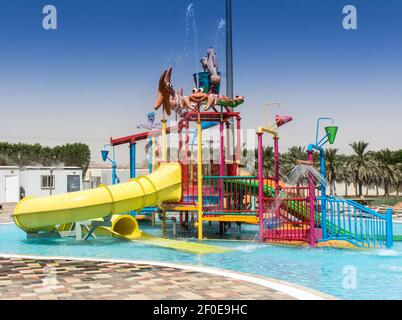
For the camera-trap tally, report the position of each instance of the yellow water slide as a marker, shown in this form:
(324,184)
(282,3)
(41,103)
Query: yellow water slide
(164,185)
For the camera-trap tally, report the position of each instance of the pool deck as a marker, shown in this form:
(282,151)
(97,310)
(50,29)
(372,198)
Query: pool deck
(41,278)
(6,218)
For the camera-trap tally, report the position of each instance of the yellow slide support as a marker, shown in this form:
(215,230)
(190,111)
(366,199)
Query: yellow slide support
(163,185)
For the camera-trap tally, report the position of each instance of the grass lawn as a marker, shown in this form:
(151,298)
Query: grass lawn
(390,201)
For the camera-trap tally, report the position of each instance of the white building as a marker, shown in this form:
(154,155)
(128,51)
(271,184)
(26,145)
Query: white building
(9,184)
(45,181)
(102,174)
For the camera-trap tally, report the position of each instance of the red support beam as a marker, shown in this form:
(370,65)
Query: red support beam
(142,136)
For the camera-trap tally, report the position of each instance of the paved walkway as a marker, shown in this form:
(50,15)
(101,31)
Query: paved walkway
(5,217)
(32,279)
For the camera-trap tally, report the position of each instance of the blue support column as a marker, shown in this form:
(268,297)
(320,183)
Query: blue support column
(114,172)
(132,160)
(132,165)
(323,195)
(150,155)
(389,231)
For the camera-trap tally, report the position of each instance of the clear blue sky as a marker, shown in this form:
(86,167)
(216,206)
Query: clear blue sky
(96,76)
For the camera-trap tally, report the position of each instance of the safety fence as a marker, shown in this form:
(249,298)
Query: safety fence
(286,214)
(228,195)
(343,219)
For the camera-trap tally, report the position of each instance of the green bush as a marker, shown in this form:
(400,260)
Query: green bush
(21,154)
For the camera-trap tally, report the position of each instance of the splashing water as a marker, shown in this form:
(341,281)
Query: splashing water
(298,176)
(218,42)
(191,36)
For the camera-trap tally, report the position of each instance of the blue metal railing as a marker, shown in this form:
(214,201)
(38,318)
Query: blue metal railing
(350,221)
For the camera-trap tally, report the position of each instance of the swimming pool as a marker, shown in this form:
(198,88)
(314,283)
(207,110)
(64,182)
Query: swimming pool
(378,272)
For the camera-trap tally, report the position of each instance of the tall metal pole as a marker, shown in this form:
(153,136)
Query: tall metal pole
(229,50)
(229,61)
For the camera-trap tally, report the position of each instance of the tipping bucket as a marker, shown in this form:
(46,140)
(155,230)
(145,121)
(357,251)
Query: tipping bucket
(105,154)
(281,120)
(331,133)
(203,81)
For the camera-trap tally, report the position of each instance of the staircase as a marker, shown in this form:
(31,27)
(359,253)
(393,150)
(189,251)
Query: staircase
(355,223)
(6,210)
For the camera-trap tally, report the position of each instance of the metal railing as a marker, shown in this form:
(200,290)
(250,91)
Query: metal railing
(229,195)
(287,215)
(353,222)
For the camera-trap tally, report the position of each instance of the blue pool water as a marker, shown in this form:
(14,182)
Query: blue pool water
(379,272)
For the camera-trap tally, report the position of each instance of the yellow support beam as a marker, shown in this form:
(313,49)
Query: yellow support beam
(269,131)
(199,176)
(164,144)
(232,218)
(179,207)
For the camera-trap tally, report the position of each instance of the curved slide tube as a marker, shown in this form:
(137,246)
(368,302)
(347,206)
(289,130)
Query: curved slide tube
(126,227)
(164,185)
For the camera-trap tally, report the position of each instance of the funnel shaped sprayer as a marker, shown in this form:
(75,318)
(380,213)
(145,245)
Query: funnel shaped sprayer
(282,120)
(331,133)
(105,155)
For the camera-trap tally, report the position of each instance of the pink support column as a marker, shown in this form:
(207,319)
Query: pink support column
(312,204)
(276,159)
(180,132)
(238,157)
(260,186)
(222,162)
(227,141)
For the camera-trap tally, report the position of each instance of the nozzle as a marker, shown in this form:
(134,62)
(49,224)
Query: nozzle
(304,162)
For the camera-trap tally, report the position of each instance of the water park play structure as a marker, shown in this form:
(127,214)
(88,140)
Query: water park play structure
(196,191)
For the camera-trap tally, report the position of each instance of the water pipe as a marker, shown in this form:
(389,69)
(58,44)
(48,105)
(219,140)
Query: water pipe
(319,147)
(133,160)
(105,157)
(317,129)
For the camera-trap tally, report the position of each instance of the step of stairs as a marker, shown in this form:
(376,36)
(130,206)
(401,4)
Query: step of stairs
(6,210)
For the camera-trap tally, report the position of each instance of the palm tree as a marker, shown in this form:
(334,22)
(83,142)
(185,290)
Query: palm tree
(289,159)
(333,168)
(361,164)
(345,172)
(386,163)
(268,162)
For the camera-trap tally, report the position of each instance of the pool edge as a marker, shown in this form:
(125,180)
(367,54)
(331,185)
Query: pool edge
(296,291)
